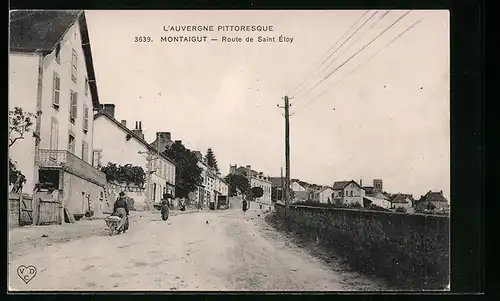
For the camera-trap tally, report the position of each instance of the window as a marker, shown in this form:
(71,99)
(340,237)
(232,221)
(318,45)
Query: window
(54,133)
(85,151)
(351,192)
(73,107)
(74,64)
(71,144)
(56,88)
(154,191)
(58,53)
(86,86)
(97,158)
(85,118)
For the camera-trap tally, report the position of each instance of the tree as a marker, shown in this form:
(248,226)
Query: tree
(20,123)
(237,182)
(126,174)
(256,192)
(211,160)
(187,172)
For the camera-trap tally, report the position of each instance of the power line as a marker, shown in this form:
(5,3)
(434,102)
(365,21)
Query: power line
(362,48)
(347,40)
(358,37)
(345,34)
(363,63)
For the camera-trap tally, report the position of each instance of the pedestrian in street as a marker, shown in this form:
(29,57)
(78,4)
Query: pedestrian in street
(120,209)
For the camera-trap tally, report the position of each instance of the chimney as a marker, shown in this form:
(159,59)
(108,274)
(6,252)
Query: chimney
(199,155)
(138,129)
(249,166)
(164,136)
(232,169)
(124,123)
(441,192)
(361,182)
(178,141)
(109,108)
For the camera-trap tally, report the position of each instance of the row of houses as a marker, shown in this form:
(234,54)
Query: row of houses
(74,135)
(351,192)
(255,179)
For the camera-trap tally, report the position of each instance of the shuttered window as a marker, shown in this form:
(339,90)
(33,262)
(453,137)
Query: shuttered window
(85,118)
(86,86)
(71,144)
(85,151)
(97,158)
(73,108)
(74,66)
(56,88)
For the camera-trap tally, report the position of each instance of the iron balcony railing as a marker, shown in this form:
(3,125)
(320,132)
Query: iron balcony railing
(70,162)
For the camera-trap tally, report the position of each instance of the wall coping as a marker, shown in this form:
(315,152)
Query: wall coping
(364,210)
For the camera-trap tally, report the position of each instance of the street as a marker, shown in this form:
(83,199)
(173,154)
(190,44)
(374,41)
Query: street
(233,251)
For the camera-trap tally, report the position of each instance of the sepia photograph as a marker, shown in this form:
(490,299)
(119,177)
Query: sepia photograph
(220,150)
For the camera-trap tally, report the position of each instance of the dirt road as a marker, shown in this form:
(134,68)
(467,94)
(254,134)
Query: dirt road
(233,251)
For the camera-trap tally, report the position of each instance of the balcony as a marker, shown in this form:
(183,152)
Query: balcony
(67,161)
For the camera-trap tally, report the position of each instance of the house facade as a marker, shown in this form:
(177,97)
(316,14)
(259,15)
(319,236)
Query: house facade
(401,200)
(324,195)
(348,192)
(299,191)
(118,144)
(52,76)
(255,179)
(432,201)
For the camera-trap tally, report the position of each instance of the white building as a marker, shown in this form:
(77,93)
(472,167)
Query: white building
(348,192)
(325,195)
(255,179)
(52,75)
(118,144)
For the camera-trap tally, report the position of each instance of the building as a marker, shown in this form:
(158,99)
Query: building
(255,179)
(221,191)
(324,195)
(299,190)
(432,201)
(401,200)
(118,144)
(52,75)
(163,141)
(348,192)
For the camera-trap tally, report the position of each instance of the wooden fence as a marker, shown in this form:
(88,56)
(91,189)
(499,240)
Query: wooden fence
(20,210)
(47,208)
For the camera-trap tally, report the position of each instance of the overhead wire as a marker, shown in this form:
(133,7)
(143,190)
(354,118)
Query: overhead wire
(345,49)
(364,62)
(364,47)
(340,39)
(347,40)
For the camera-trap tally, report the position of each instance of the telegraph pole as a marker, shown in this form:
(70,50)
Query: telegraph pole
(287,155)
(281,179)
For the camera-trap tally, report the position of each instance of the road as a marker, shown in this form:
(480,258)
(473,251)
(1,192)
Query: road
(201,251)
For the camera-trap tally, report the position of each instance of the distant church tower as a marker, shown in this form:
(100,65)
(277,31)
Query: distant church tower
(378,186)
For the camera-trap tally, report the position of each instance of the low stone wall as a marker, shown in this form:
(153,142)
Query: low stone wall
(411,251)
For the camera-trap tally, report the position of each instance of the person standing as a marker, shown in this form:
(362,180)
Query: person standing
(120,209)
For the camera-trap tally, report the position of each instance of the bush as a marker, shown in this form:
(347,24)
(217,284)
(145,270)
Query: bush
(401,209)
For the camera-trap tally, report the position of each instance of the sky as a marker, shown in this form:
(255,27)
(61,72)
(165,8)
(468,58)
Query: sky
(383,113)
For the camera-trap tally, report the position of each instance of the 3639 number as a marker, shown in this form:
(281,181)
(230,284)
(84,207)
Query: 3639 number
(143,39)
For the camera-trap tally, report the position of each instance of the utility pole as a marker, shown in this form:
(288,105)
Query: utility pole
(287,155)
(281,179)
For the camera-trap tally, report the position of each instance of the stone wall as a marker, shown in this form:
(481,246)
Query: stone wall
(411,251)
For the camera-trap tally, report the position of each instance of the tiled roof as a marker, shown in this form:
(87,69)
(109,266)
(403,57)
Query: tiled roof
(399,199)
(434,197)
(342,184)
(40,31)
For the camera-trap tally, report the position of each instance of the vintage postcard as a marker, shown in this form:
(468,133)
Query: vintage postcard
(229,150)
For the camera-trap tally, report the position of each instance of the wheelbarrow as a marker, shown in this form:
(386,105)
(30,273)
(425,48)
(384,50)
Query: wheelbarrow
(114,224)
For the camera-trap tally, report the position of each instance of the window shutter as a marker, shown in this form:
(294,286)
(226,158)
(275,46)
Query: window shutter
(74,104)
(56,89)
(85,118)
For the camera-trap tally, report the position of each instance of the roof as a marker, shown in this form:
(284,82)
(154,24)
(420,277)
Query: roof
(253,172)
(40,31)
(276,181)
(434,197)
(342,184)
(399,199)
(131,133)
(325,188)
